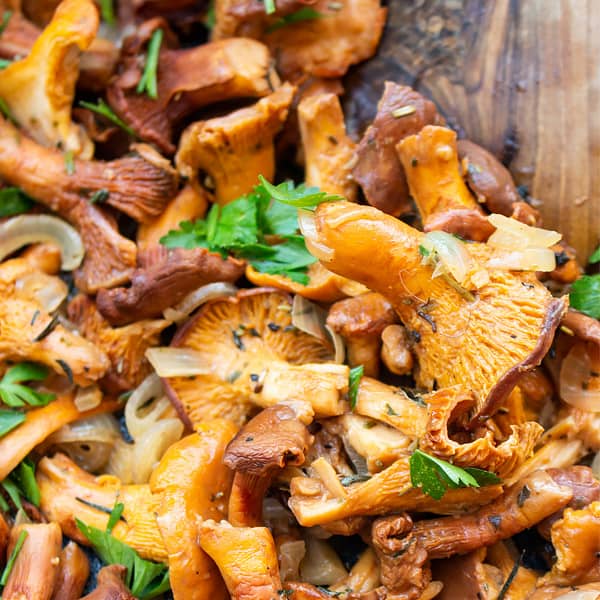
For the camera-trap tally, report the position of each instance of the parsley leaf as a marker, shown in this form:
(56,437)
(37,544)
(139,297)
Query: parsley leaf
(107,11)
(210,19)
(269,6)
(6,15)
(13,557)
(13,201)
(354,381)
(4,62)
(115,516)
(595,257)
(14,394)
(304,14)
(145,579)
(69,162)
(253,227)
(148,82)
(24,477)
(9,420)
(585,295)
(103,109)
(300,196)
(435,476)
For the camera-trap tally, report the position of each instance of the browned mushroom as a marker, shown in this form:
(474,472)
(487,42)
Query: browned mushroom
(111,585)
(378,169)
(395,350)
(73,573)
(430,162)
(272,440)
(383,253)
(187,80)
(360,321)
(124,346)
(35,571)
(163,278)
(567,268)
(235,149)
(404,548)
(140,186)
(328,151)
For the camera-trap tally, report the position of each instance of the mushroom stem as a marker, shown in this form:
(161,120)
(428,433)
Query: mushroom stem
(111,584)
(246,499)
(73,574)
(35,571)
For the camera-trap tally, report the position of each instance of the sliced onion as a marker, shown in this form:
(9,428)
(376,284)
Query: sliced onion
(47,290)
(291,553)
(308,228)
(529,259)
(310,318)
(140,407)
(321,565)
(87,398)
(575,373)
(511,233)
(198,297)
(580,595)
(176,362)
(453,254)
(30,229)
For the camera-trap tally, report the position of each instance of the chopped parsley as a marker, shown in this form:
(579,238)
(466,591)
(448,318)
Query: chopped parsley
(103,109)
(435,476)
(356,374)
(14,201)
(9,420)
(14,394)
(148,83)
(304,14)
(145,579)
(585,295)
(242,227)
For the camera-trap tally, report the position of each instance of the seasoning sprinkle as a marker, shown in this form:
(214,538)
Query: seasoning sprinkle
(404,111)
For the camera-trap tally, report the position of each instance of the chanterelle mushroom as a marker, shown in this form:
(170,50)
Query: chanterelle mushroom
(187,80)
(378,169)
(163,278)
(488,340)
(272,440)
(39,89)
(111,585)
(255,356)
(235,149)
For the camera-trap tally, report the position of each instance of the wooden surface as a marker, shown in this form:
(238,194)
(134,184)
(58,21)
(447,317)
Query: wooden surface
(520,77)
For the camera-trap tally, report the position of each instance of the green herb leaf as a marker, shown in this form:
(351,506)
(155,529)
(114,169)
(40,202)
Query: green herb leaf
(435,476)
(300,196)
(4,62)
(107,12)
(6,15)
(100,196)
(585,295)
(210,18)
(5,110)
(304,14)
(13,393)
(24,475)
(14,201)
(13,557)
(237,224)
(115,516)
(9,420)
(189,235)
(10,487)
(148,82)
(103,109)
(145,579)
(595,257)
(269,6)
(354,381)
(69,162)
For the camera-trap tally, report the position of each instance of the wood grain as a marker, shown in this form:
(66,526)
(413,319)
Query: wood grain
(520,77)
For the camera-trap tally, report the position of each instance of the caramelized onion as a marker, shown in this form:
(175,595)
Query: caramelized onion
(528,259)
(30,229)
(454,258)
(511,233)
(321,565)
(198,297)
(306,222)
(49,291)
(310,318)
(575,373)
(176,362)
(87,398)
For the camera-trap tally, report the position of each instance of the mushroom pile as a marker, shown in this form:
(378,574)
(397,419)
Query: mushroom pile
(225,383)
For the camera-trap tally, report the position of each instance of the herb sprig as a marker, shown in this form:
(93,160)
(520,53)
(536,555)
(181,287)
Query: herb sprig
(145,579)
(243,227)
(585,295)
(304,14)
(435,476)
(103,109)
(148,82)
(14,201)
(356,375)
(14,394)
(13,558)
